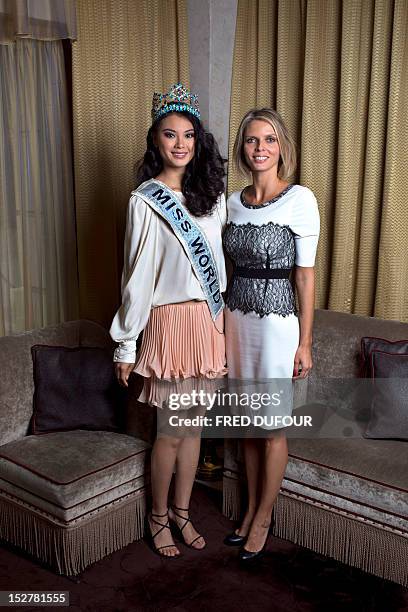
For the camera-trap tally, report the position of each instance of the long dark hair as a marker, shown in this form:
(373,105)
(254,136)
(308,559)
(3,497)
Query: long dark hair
(202,181)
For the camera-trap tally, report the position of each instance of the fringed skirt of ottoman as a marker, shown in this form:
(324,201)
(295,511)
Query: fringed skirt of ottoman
(182,350)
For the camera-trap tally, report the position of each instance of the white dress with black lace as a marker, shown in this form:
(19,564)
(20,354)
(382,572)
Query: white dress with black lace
(261,324)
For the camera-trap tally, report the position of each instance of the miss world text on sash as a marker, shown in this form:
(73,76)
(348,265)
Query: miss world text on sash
(165,202)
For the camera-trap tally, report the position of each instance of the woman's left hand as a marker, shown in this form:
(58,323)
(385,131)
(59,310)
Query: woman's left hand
(303,362)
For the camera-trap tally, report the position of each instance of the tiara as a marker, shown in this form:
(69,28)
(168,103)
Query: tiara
(176,100)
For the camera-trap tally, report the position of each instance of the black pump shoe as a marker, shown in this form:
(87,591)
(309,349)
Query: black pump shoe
(246,556)
(249,557)
(233,539)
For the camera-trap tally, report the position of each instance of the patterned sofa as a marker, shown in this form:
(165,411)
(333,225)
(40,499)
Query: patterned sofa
(342,496)
(67,498)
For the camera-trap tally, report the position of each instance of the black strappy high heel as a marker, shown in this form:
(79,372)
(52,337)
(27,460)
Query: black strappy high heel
(180,529)
(166,525)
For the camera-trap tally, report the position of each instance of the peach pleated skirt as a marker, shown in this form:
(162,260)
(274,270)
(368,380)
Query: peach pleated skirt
(182,349)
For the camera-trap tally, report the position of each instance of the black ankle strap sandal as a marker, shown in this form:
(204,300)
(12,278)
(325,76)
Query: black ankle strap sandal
(186,521)
(162,526)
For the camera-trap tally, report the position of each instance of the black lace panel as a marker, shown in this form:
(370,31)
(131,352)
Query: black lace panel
(260,246)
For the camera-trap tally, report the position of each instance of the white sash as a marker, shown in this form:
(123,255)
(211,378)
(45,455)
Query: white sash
(194,242)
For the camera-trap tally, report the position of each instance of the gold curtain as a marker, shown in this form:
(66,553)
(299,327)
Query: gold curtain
(38,269)
(337,72)
(41,20)
(126,49)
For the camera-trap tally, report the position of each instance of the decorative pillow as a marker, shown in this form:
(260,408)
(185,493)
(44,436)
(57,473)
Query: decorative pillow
(369,344)
(389,405)
(75,388)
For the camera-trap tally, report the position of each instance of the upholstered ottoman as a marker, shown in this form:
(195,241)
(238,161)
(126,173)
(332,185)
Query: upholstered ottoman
(70,497)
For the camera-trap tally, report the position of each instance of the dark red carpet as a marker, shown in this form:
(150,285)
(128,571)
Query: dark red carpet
(289,578)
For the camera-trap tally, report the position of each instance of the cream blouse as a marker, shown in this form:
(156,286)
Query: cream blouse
(157,271)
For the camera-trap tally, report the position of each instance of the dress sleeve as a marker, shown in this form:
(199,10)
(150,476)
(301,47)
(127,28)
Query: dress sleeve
(138,279)
(306,227)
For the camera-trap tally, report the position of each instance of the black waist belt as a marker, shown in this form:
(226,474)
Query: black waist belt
(262,273)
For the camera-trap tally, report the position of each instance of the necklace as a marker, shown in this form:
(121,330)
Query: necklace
(268,202)
(271,195)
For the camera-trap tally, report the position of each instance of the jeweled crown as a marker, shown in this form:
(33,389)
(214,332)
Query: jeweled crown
(176,100)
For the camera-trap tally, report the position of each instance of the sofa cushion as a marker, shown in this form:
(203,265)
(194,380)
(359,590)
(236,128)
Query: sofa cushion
(75,388)
(16,400)
(367,478)
(337,353)
(389,403)
(337,339)
(369,344)
(68,474)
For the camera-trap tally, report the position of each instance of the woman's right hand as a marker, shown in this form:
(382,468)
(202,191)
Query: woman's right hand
(122,372)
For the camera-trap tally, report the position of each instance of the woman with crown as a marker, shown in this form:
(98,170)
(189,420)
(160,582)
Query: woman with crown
(172,281)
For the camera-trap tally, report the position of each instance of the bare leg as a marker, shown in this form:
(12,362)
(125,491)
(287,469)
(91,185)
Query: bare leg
(186,466)
(274,465)
(163,460)
(252,454)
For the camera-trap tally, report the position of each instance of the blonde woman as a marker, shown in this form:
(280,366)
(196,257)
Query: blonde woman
(271,235)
